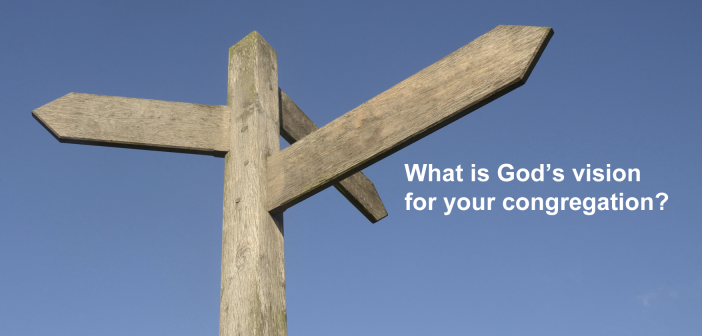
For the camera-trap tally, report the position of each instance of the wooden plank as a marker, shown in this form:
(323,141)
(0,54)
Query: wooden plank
(361,192)
(295,124)
(253,265)
(137,123)
(174,127)
(357,188)
(474,75)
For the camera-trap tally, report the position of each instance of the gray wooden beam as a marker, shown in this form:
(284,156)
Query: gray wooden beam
(137,123)
(252,300)
(474,75)
(357,188)
(111,121)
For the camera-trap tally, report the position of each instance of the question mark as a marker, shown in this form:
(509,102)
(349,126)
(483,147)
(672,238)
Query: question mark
(664,200)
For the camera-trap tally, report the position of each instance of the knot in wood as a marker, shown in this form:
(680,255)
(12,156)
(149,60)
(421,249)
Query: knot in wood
(242,255)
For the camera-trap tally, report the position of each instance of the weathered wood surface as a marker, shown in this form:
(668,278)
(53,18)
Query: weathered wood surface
(137,123)
(295,124)
(357,188)
(474,75)
(253,270)
(177,127)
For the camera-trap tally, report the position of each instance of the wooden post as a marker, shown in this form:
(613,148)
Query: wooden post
(259,178)
(99,120)
(253,273)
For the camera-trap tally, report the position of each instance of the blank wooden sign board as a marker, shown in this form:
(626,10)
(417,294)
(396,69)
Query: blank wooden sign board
(260,180)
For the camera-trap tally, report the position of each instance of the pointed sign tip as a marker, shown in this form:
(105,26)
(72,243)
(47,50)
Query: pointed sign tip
(548,33)
(36,114)
(476,74)
(81,118)
(42,115)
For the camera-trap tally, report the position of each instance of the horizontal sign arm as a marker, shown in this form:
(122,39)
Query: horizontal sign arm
(137,123)
(178,127)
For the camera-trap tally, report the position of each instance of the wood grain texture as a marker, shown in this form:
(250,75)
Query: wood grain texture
(175,127)
(253,270)
(294,124)
(474,75)
(361,192)
(357,188)
(137,123)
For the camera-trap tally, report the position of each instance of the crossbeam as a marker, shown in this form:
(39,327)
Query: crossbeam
(159,125)
(260,181)
(467,79)
(357,188)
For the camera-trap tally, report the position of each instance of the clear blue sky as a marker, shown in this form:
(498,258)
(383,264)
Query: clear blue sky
(108,241)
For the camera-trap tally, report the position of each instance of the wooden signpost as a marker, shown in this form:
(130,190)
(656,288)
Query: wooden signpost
(260,180)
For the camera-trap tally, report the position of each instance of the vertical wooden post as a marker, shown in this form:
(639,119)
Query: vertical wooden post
(253,273)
